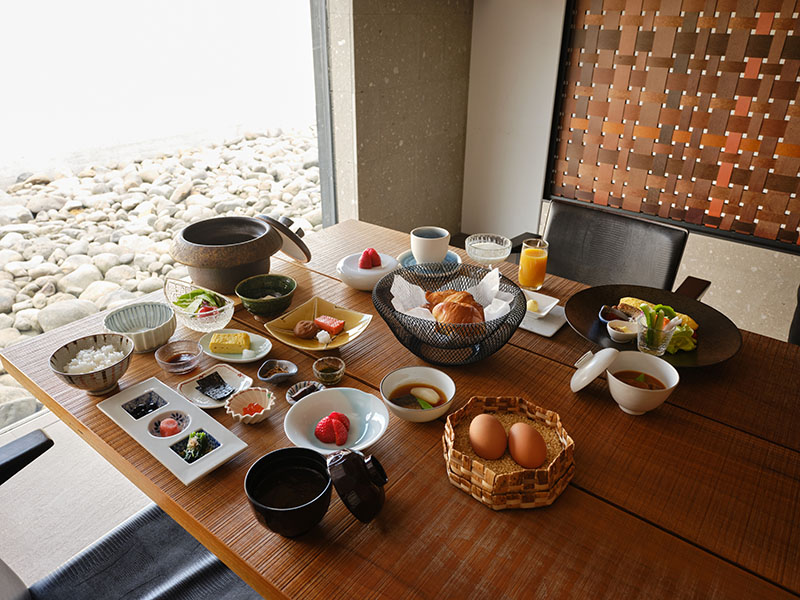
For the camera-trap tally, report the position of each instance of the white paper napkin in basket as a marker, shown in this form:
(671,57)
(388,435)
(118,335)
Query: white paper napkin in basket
(409,299)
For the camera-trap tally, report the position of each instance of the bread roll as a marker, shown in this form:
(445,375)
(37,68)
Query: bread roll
(456,312)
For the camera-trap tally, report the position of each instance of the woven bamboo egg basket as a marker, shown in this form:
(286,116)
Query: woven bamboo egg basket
(518,488)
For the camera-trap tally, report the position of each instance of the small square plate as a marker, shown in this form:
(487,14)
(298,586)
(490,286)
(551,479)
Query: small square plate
(283,327)
(545,326)
(236,379)
(546,303)
(152,400)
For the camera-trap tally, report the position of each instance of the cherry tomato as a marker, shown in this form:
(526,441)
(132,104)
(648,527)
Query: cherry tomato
(204,310)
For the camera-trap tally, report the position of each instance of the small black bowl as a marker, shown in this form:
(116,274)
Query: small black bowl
(289,490)
(255,293)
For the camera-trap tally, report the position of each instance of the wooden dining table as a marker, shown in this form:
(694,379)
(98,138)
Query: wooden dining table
(699,498)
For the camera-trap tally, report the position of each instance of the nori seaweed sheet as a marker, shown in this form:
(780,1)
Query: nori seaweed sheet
(214,387)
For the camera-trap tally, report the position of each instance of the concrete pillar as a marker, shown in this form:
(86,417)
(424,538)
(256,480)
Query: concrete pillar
(399,78)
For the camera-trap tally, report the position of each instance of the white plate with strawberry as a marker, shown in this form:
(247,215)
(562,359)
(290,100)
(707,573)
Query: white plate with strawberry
(336,418)
(363,270)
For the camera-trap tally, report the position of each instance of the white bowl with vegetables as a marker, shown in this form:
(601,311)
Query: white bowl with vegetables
(418,394)
(197,308)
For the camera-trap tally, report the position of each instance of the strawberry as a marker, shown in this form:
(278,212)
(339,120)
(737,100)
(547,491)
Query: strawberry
(374,256)
(325,431)
(337,416)
(340,431)
(365,262)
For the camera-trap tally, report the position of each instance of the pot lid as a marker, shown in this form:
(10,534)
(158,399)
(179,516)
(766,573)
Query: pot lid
(359,481)
(293,246)
(591,366)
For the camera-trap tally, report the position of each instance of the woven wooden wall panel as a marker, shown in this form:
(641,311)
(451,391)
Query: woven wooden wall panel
(687,110)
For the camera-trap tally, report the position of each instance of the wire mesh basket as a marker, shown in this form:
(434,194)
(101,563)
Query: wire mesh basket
(447,343)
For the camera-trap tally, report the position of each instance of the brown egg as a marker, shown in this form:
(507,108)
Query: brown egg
(526,445)
(487,436)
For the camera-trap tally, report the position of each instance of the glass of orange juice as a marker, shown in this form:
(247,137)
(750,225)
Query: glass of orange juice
(533,264)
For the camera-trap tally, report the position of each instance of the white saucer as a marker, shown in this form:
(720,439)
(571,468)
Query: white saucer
(256,341)
(406,259)
(545,326)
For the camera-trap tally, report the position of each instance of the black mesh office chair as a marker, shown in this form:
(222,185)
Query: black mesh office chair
(148,556)
(599,247)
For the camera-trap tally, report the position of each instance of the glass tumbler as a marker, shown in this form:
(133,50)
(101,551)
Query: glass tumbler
(533,264)
(651,340)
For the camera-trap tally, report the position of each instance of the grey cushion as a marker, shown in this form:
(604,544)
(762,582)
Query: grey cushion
(149,556)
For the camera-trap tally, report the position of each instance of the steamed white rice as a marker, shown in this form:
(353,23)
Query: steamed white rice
(94,359)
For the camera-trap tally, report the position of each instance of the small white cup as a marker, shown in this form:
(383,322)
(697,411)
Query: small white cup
(429,244)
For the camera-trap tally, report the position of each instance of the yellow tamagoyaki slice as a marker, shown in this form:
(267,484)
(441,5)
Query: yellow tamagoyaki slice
(229,343)
(636,303)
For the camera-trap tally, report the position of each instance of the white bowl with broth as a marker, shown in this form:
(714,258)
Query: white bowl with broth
(635,400)
(401,381)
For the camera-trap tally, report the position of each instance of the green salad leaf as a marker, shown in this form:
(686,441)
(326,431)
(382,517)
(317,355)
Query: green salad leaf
(192,301)
(682,339)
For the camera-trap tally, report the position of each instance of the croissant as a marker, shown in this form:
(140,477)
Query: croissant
(435,298)
(465,298)
(456,312)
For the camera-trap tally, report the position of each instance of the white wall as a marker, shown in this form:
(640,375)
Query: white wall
(512,81)
(85,74)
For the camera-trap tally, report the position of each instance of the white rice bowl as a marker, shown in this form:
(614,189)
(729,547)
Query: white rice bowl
(94,359)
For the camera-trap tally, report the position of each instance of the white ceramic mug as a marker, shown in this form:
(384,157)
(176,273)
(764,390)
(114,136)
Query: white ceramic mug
(429,244)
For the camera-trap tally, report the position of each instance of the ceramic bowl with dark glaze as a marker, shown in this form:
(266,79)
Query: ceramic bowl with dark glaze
(221,252)
(266,295)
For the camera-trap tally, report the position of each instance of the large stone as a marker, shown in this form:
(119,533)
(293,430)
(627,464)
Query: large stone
(27,320)
(44,203)
(40,247)
(6,321)
(44,270)
(151,284)
(98,289)
(62,313)
(14,214)
(181,191)
(7,299)
(135,243)
(77,247)
(120,274)
(105,261)
(15,404)
(73,262)
(8,336)
(77,281)
(8,255)
(116,298)
(12,240)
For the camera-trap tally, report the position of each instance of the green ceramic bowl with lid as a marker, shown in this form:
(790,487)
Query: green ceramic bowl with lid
(266,295)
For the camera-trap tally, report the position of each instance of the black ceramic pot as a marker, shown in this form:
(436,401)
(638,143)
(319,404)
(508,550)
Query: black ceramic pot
(289,490)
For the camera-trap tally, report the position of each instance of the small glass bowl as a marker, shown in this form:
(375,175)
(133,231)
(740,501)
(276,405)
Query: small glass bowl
(488,249)
(179,357)
(329,370)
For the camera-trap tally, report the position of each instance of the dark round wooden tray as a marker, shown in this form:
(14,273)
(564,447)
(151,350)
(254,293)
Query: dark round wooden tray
(718,339)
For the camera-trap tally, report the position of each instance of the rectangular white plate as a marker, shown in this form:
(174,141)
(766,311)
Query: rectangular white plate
(546,303)
(545,326)
(161,448)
